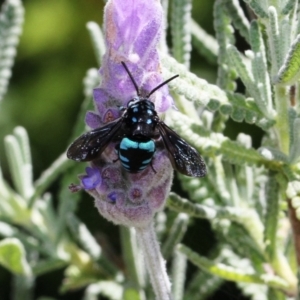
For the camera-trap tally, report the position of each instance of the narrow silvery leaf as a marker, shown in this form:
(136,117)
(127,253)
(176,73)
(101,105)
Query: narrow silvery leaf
(175,235)
(23,141)
(84,236)
(110,289)
(97,40)
(238,17)
(49,175)
(258,7)
(90,81)
(289,6)
(275,44)
(180,29)
(11,20)
(290,70)
(15,160)
(23,287)
(271,217)
(270,153)
(241,241)
(204,43)
(203,285)
(241,64)
(133,258)
(231,273)
(22,137)
(218,176)
(179,266)
(203,211)
(49,265)
(201,92)
(242,67)
(224,35)
(295,145)
(215,143)
(67,205)
(259,65)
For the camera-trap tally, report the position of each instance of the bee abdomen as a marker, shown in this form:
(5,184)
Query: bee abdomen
(136,154)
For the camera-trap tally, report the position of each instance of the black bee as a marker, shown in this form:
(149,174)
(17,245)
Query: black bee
(136,132)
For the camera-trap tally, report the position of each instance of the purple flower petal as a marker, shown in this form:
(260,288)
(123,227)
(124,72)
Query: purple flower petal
(92,179)
(93,120)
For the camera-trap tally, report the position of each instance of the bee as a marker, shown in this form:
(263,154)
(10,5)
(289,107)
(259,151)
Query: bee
(136,133)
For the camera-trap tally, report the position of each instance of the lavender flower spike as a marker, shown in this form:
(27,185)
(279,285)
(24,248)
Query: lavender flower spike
(132,32)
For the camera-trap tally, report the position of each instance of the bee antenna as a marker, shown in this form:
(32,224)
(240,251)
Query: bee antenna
(132,79)
(162,84)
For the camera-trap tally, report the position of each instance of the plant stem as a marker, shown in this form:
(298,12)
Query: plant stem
(295,224)
(282,127)
(154,262)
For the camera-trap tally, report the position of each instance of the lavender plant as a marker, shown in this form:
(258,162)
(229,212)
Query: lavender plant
(250,196)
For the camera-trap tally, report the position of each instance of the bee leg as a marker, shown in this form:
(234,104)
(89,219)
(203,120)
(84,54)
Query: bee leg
(153,168)
(117,152)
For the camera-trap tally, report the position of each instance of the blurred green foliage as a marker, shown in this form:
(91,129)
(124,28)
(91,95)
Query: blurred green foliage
(46,87)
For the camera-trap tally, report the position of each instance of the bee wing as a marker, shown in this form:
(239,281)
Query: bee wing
(91,144)
(184,158)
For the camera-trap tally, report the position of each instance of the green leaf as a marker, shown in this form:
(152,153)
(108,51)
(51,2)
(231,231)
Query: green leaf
(230,273)
(202,286)
(290,70)
(49,265)
(274,294)
(13,256)
(131,294)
